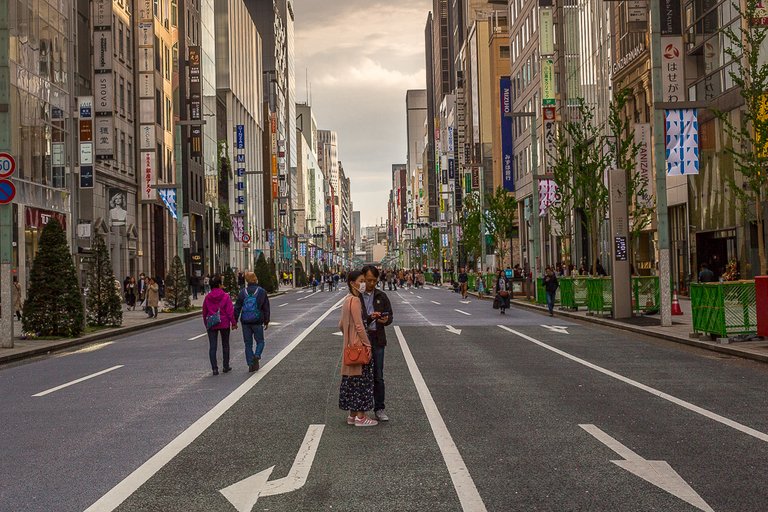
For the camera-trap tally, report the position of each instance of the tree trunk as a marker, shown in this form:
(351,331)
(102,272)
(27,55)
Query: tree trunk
(595,242)
(761,235)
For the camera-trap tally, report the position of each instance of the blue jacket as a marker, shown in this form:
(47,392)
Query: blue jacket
(263,303)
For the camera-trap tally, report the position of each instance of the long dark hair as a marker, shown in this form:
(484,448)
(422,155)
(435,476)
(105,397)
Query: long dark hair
(352,277)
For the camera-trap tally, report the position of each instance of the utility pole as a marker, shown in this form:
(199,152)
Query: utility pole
(6,210)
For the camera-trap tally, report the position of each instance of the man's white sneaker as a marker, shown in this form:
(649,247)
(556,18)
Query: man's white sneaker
(382,416)
(365,421)
(350,420)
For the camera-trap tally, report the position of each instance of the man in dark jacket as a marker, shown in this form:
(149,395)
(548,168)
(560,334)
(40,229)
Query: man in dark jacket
(252,310)
(377,311)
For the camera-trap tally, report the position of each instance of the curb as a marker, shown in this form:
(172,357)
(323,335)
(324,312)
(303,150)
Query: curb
(723,349)
(98,336)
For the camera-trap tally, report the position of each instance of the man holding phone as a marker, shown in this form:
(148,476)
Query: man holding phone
(378,314)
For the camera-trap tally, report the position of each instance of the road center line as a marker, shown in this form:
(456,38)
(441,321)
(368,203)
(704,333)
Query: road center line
(468,495)
(198,337)
(463,312)
(77,381)
(435,302)
(308,296)
(677,401)
(282,305)
(143,473)
(417,311)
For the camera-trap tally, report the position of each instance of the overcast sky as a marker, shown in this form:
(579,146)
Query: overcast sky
(362,56)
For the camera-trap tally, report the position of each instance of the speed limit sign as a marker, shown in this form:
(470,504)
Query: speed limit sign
(7,165)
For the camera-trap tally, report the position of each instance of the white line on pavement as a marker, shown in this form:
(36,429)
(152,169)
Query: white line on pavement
(435,302)
(469,497)
(281,305)
(102,372)
(197,337)
(418,296)
(463,312)
(682,403)
(308,296)
(143,473)
(90,348)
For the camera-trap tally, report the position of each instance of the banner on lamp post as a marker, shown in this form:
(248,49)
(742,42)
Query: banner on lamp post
(682,142)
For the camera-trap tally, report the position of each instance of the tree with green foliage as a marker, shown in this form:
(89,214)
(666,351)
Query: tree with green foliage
(435,253)
(274,284)
(470,222)
(262,273)
(500,214)
(562,209)
(54,305)
(230,283)
(177,287)
(103,300)
(747,127)
(301,276)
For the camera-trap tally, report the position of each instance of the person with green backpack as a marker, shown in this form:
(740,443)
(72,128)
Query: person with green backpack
(252,310)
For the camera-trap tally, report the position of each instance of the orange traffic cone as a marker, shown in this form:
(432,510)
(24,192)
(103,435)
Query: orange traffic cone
(676,305)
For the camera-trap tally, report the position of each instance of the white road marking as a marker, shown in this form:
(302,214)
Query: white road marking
(308,296)
(411,293)
(416,311)
(338,333)
(90,348)
(453,329)
(463,312)
(198,336)
(682,403)
(77,381)
(281,305)
(435,302)
(468,495)
(557,328)
(405,302)
(418,297)
(143,473)
(657,472)
(275,323)
(245,493)
(465,301)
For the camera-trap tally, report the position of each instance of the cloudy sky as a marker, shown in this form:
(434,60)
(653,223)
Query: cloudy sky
(362,56)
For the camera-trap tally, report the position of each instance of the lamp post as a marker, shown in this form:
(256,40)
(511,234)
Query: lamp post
(535,207)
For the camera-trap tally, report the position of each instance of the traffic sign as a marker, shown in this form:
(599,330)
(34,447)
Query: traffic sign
(246,238)
(7,191)
(7,165)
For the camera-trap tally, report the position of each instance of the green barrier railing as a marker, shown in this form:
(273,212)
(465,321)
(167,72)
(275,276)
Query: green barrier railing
(573,291)
(428,277)
(645,294)
(541,293)
(599,295)
(724,309)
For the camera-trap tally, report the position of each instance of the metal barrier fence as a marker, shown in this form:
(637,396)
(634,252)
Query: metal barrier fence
(724,309)
(541,293)
(573,292)
(599,295)
(645,294)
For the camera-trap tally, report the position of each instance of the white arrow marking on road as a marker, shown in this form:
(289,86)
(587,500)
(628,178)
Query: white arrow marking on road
(557,328)
(245,493)
(463,312)
(657,472)
(338,333)
(453,329)
(198,336)
(435,302)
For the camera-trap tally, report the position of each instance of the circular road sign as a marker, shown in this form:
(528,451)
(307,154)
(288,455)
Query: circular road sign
(246,238)
(7,191)
(7,165)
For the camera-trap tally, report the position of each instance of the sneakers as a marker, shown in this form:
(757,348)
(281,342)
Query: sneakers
(365,421)
(381,415)
(350,420)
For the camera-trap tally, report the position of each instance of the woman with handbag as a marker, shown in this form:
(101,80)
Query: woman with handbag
(502,292)
(356,391)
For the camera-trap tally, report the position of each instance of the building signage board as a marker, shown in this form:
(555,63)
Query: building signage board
(85,107)
(673,68)
(240,142)
(86,153)
(102,13)
(145,10)
(507,148)
(144,36)
(85,110)
(146,58)
(629,57)
(547,82)
(546,32)
(642,140)
(671,18)
(104,85)
(682,141)
(102,50)
(549,138)
(637,11)
(451,171)
(147,136)
(148,176)
(475,178)
(147,85)
(86,176)
(195,94)
(547,196)
(105,138)
(196,141)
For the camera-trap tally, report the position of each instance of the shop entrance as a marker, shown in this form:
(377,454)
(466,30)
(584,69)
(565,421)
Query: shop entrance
(716,249)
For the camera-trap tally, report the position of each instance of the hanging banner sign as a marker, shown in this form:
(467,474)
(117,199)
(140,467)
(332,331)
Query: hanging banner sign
(642,140)
(168,195)
(148,176)
(546,32)
(682,142)
(547,82)
(547,196)
(673,69)
(507,148)
(238,227)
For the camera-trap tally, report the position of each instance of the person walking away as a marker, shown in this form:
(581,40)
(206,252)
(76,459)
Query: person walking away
(17,306)
(377,314)
(550,287)
(252,311)
(314,284)
(463,282)
(153,298)
(218,317)
(142,289)
(335,281)
(130,293)
(706,275)
(502,292)
(357,384)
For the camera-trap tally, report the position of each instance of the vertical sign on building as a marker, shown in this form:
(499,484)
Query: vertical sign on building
(547,82)
(682,141)
(546,31)
(507,149)
(240,146)
(146,87)
(195,103)
(85,123)
(672,52)
(642,140)
(103,80)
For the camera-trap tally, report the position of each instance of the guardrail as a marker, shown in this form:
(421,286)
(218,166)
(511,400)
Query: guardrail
(724,309)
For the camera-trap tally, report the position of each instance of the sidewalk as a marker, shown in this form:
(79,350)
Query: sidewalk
(681,330)
(133,321)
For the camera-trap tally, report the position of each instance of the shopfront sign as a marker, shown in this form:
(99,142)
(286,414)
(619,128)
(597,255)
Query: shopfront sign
(673,68)
(36,218)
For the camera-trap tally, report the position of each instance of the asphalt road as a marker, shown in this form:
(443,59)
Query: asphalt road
(520,412)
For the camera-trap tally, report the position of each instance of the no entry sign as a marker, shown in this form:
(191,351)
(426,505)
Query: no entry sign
(7,165)
(7,191)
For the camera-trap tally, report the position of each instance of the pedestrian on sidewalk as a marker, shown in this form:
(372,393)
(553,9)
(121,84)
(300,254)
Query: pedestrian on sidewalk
(130,293)
(356,390)
(252,310)
(550,287)
(480,284)
(463,282)
(377,314)
(502,292)
(218,317)
(153,298)
(17,306)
